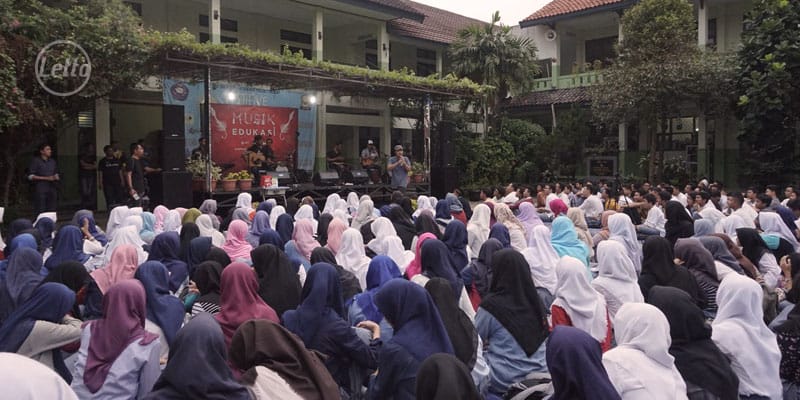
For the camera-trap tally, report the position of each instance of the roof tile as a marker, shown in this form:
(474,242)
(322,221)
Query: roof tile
(546,98)
(439,26)
(560,7)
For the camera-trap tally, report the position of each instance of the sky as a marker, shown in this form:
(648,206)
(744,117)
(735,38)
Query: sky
(511,11)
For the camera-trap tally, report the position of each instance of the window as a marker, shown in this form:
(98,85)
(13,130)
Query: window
(371,60)
(135,6)
(711,37)
(426,62)
(425,69)
(600,50)
(297,37)
(426,54)
(205,37)
(371,44)
(225,24)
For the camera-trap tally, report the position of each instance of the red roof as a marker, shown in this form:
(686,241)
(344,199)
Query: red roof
(548,97)
(439,26)
(561,7)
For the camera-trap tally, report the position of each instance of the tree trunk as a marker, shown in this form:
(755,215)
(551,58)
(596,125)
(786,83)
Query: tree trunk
(8,158)
(651,137)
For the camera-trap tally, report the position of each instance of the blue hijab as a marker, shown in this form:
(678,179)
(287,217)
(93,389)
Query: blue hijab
(20,241)
(46,226)
(68,246)
(197,252)
(435,260)
(264,206)
(17,226)
(500,232)
(271,236)
(321,302)
(285,227)
(166,249)
(49,302)
(565,240)
(22,277)
(381,270)
(163,308)
(385,210)
(148,232)
(455,237)
(576,366)
(259,225)
(96,234)
(418,328)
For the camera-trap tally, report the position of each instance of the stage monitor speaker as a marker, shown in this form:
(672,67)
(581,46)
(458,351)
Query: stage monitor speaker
(172,153)
(176,189)
(443,180)
(326,178)
(172,120)
(360,176)
(283,177)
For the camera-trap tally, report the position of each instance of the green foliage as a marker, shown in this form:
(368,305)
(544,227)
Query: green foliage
(768,85)
(568,139)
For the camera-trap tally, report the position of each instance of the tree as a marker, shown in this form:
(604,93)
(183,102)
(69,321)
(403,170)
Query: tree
(659,72)
(491,55)
(768,83)
(106,29)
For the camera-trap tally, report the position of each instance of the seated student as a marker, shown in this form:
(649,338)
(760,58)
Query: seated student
(574,361)
(118,358)
(239,300)
(165,312)
(319,321)
(443,376)
(381,270)
(23,378)
(418,334)
(512,321)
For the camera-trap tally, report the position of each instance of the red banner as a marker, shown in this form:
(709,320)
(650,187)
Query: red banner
(233,128)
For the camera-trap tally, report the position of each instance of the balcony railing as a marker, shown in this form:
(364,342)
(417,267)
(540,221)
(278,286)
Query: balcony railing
(568,81)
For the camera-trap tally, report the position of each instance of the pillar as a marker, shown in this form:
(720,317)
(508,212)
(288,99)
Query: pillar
(321,133)
(214,17)
(623,147)
(702,146)
(702,24)
(386,134)
(383,47)
(316,36)
(439,62)
(556,62)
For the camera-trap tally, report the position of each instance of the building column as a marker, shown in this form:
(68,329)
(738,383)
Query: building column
(102,135)
(316,36)
(556,62)
(620,34)
(321,133)
(214,17)
(622,146)
(383,47)
(440,62)
(702,147)
(386,133)
(702,24)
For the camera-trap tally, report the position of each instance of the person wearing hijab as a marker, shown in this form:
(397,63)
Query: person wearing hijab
(303,242)
(478,227)
(197,366)
(275,364)
(381,228)
(740,333)
(621,229)
(306,212)
(477,275)
(756,250)
(164,312)
(578,218)
(205,224)
(513,321)
(574,360)
(542,260)
(147,233)
(218,255)
(363,308)
(700,264)
(703,227)
(679,223)
(260,224)
(207,277)
(565,241)
(403,225)
(172,221)
(284,224)
(772,224)
(236,245)
(166,250)
(334,235)
(133,220)
(209,207)
(197,251)
(436,263)
(443,377)
(744,264)
(516,230)
(352,256)
(456,208)
(160,212)
(617,281)
(604,232)
(239,299)
(117,348)
(22,240)
(455,237)
(319,321)
(659,269)
(278,283)
(40,326)
(423,203)
(322,228)
(443,215)
(22,277)
(190,216)
(640,367)
(418,334)
(706,371)
(244,201)
(23,378)
(528,217)
(73,275)
(189,232)
(500,232)
(348,281)
(271,236)
(115,220)
(364,216)
(578,304)
(240,214)
(46,226)
(68,246)
(415,266)
(788,336)
(723,259)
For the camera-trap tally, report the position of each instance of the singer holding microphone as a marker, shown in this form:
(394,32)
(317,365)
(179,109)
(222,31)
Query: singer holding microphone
(398,167)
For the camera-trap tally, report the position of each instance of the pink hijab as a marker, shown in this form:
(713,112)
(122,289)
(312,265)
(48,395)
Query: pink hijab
(239,300)
(122,266)
(160,212)
(415,266)
(558,207)
(181,211)
(303,237)
(335,230)
(236,244)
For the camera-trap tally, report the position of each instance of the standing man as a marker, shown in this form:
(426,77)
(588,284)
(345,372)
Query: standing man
(201,151)
(134,173)
(369,161)
(398,167)
(43,174)
(87,172)
(112,182)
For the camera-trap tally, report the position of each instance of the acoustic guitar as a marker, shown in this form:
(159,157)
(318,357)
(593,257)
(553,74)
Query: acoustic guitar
(255,159)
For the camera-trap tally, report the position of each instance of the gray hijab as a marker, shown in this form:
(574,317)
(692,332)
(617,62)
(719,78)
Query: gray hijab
(720,252)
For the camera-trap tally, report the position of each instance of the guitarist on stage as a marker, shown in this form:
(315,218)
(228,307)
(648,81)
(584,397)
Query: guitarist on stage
(260,158)
(370,161)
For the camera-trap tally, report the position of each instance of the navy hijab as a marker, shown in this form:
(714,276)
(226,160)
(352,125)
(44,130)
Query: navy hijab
(575,361)
(500,232)
(99,236)
(46,226)
(436,263)
(455,237)
(271,236)
(68,246)
(22,277)
(381,270)
(285,227)
(17,226)
(166,249)
(418,328)
(49,302)
(264,206)
(321,303)
(196,252)
(443,215)
(20,241)
(163,308)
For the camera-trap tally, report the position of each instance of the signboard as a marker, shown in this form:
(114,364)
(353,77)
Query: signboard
(601,167)
(233,128)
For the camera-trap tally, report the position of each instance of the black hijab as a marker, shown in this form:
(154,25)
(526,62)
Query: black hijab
(322,228)
(189,231)
(73,275)
(292,204)
(753,246)
(218,255)
(426,224)
(405,204)
(679,223)
(698,261)
(459,328)
(278,284)
(443,377)
(347,280)
(658,268)
(207,276)
(513,301)
(197,252)
(435,261)
(482,266)
(402,225)
(697,358)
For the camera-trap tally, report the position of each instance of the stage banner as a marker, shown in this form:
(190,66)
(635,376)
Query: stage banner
(233,128)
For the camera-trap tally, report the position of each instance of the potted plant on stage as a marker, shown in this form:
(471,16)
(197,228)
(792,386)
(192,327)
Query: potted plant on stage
(245,180)
(417,172)
(229,182)
(198,168)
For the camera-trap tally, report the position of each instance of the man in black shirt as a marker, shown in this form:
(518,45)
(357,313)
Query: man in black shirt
(134,171)
(87,171)
(112,183)
(43,174)
(201,151)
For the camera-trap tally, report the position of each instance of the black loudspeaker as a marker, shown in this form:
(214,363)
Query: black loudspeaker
(326,178)
(172,120)
(172,153)
(360,176)
(446,146)
(443,180)
(176,189)
(283,178)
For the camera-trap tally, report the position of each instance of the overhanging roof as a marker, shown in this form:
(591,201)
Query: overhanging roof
(393,8)
(557,10)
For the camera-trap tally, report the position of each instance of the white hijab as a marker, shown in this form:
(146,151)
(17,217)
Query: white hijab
(641,361)
(206,227)
(392,247)
(433,201)
(352,256)
(330,203)
(739,331)
(771,223)
(478,227)
(115,220)
(343,216)
(133,220)
(172,222)
(423,203)
(712,214)
(617,274)
(542,258)
(352,203)
(306,212)
(341,205)
(585,307)
(125,235)
(274,214)
(245,200)
(621,229)
(729,226)
(381,228)
(364,214)
(135,211)
(24,378)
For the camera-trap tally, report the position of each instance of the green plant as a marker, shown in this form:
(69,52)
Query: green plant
(417,168)
(198,168)
(242,175)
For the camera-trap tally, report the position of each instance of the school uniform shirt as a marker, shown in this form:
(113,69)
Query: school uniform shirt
(656,220)
(592,206)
